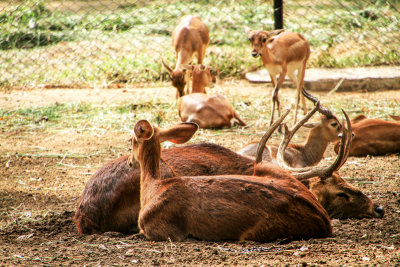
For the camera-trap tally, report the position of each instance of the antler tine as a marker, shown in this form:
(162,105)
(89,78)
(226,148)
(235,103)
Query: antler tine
(267,135)
(349,133)
(313,99)
(326,171)
(288,136)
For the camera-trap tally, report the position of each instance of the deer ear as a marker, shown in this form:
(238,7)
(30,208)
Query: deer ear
(143,130)
(274,32)
(311,124)
(180,133)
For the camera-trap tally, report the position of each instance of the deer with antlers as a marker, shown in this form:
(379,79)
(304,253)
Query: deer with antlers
(111,198)
(282,53)
(323,132)
(340,199)
(208,111)
(189,38)
(230,207)
(374,137)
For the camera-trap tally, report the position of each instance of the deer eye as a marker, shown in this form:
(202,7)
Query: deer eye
(334,124)
(264,40)
(344,195)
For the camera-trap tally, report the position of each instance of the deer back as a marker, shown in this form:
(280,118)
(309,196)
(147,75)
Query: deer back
(189,37)
(208,111)
(374,137)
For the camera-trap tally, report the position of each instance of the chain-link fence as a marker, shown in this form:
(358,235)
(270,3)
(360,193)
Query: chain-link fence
(105,42)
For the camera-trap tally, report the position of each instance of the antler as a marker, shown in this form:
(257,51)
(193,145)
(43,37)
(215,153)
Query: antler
(313,99)
(344,150)
(288,136)
(166,66)
(267,135)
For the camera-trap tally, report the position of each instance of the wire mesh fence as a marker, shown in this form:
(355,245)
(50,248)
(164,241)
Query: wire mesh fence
(81,43)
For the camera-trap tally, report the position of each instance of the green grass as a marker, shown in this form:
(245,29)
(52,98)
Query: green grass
(121,116)
(126,45)
(86,117)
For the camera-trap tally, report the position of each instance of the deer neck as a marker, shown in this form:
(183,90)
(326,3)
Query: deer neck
(197,87)
(314,148)
(150,175)
(267,57)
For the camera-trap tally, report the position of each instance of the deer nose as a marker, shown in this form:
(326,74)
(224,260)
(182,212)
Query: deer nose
(380,211)
(254,53)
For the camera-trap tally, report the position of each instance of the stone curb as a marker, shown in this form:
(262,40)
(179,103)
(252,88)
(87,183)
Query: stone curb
(348,79)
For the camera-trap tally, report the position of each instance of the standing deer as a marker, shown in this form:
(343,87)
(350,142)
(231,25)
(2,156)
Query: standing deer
(207,111)
(189,38)
(373,137)
(234,207)
(282,53)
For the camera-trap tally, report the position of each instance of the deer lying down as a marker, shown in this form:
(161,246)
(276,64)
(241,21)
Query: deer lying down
(282,53)
(229,207)
(207,111)
(374,137)
(189,38)
(340,199)
(323,132)
(111,198)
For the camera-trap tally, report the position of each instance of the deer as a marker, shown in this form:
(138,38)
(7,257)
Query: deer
(190,38)
(373,137)
(208,111)
(323,132)
(340,199)
(216,208)
(110,200)
(282,53)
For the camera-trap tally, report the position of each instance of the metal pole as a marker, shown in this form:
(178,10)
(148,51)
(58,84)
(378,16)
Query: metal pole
(278,14)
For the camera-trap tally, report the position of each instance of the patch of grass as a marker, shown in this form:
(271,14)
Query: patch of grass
(86,117)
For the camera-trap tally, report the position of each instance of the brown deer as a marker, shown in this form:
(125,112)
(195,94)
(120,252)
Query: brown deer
(229,207)
(111,198)
(373,137)
(189,38)
(207,111)
(323,132)
(340,199)
(282,53)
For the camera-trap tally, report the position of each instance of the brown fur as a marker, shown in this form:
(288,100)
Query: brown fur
(308,154)
(189,38)
(219,208)
(111,198)
(373,137)
(341,200)
(207,111)
(281,54)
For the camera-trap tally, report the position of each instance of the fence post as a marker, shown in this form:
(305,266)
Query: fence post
(278,14)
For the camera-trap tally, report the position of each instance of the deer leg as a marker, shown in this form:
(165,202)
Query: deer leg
(275,95)
(297,101)
(300,77)
(274,83)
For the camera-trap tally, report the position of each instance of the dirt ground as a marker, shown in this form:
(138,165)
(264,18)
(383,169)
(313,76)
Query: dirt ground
(38,197)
